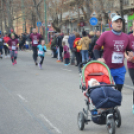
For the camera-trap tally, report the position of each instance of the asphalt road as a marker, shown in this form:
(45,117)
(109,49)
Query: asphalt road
(47,101)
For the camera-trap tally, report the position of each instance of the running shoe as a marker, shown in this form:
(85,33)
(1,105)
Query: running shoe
(40,66)
(15,62)
(58,60)
(66,64)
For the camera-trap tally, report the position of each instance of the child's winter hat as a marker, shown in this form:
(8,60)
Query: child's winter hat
(90,82)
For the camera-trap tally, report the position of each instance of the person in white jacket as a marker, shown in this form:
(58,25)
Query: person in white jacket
(65,39)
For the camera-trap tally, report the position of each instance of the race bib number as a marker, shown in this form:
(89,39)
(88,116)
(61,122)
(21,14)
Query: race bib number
(13,47)
(35,42)
(117,57)
(40,52)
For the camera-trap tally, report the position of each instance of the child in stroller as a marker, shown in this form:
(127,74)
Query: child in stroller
(102,99)
(111,103)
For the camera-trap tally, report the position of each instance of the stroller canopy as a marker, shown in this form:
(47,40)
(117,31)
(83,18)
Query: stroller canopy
(97,70)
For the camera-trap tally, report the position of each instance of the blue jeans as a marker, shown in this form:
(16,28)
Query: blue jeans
(85,56)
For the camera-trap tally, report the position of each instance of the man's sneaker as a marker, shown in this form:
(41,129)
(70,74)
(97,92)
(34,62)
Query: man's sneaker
(58,60)
(36,63)
(15,62)
(133,108)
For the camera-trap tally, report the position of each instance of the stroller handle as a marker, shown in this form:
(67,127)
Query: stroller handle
(109,85)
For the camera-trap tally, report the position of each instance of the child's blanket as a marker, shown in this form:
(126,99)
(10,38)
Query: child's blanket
(106,97)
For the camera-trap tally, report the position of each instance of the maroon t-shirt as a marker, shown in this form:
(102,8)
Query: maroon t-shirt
(114,48)
(13,44)
(131,40)
(35,38)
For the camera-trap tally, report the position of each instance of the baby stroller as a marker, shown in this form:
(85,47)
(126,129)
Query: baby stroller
(105,112)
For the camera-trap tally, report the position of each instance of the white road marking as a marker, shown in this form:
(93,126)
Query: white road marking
(22,98)
(55,128)
(66,70)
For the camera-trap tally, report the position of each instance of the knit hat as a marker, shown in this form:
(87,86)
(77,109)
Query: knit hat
(90,82)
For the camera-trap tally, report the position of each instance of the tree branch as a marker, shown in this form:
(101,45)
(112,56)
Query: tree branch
(39,3)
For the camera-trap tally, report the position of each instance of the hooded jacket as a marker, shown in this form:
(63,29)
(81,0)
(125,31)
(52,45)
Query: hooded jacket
(65,39)
(85,43)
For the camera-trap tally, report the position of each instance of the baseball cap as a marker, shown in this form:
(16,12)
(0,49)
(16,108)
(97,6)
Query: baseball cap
(116,17)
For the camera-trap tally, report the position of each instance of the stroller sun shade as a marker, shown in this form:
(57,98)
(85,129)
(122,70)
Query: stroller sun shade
(98,71)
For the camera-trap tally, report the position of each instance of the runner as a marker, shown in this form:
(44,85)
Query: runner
(1,46)
(115,44)
(41,54)
(12,32)
(35,38)
(130,64)
(13,45)
(6,39)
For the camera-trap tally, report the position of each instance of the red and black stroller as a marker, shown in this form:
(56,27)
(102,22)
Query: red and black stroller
(102,101)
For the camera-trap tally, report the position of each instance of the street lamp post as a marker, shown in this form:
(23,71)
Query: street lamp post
(45,13)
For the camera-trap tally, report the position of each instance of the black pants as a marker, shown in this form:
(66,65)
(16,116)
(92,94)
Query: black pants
(35,54)
(6,50)
(131,73)
(1,51)
(41,60)
(61,50)
(78,57)
(67,60)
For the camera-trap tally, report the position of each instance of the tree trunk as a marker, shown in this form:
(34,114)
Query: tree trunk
(78,21)
(36,9)
(1,16)
(10,21)
(122,15)
(88,8)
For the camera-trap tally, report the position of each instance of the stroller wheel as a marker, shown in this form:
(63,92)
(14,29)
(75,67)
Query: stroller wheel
(80,120)
(117,118)
(110,126)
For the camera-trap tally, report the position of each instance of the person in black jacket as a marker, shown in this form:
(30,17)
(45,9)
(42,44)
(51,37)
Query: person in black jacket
(22,41)
(93,42)
(53,46)
(60,48)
